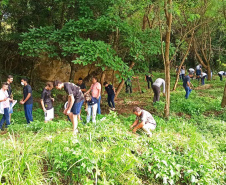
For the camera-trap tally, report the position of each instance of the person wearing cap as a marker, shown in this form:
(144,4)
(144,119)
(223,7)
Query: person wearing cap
(144,120)
(187,84)
(156,89)
(221,74)
(203,76)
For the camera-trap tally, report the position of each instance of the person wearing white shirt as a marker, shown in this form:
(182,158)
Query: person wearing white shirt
(182,72)
(156,88)
(203,76)
(220,74)
(4,105)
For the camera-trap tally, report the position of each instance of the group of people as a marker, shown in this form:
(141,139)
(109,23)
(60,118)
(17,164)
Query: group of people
(77,95)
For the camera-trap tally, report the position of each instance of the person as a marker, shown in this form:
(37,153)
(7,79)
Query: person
(187,84)
(220,74)
(156,88)
(148,79)
(95,90)
(91,107)
(128,83)
(203,76)
(47,102)
(82,85)
(111,95)
(176,70)
(4,105)
(144,120)
(198,71)
(9,81)
(27,100)
(75,101)
(182,72)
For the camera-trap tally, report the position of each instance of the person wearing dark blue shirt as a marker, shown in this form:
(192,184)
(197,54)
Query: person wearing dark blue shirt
(111,95)
(187,84)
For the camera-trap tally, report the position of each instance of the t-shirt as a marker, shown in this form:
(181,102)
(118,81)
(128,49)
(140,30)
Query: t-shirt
(204,74)
(148,77)
(191,70)
(95,89)
(186,79)
(26,90)
(158,82)
(9,90)
(72,89)
(3,95)
(46,97)
(146,117)
(82,86)
(198,67)
(182,71)
(110,90)
(222,73)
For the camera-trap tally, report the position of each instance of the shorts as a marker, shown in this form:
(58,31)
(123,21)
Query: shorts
(76,108)
(49,114)
(11,108)
(198,72)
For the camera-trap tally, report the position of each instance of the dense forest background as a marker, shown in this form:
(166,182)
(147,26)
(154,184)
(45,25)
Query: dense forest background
(53,39)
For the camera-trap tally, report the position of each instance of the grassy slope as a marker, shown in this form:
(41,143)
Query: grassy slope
(189,148)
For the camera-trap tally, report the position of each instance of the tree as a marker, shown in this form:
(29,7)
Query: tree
(223,103)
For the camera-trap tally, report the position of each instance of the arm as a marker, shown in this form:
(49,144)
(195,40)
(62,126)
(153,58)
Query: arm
(28,96)
(134,124)
(3,100)
(114,90)
(83,90)
(71,101)
(43,106)
(99,91)
(140,125)
(188,83)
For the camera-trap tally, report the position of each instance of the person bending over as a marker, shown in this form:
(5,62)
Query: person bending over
(156,88)
(203,76)
(221,74)
(75,101)
(47,102)
(143,120)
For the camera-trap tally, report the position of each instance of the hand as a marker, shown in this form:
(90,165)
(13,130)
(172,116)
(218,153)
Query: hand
(134,130)
(22,102)
(52,99)
(5,99)
(65,111)
(68,112)
(44,110)
(131,127)
(11,100)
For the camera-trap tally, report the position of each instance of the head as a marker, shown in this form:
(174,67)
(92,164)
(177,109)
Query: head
(10,79)
(80,80)
(94,80)
(190,74)
(105,84)
(87,97)
(4,86)
(24,81)
(137,111)
(58,84)
(49,86)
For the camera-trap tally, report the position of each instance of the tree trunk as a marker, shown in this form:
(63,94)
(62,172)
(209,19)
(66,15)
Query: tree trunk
(102,81)
(223,103)
(73,70)
(183,60)
(123,82)
(113,78)
(138,83)
(168,4)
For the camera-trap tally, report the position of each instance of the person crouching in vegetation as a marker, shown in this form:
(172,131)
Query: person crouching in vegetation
(143,120)
(187,84)
(111,95)
(156,89)
(220,74)
(4,105)
(47,102)
(27,100)
(75,101)
(203,76)
(91,107)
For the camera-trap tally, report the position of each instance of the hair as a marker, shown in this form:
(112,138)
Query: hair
(4,83)
(56,83)
(10,76)
(25,79)
(136,109)
(49,84)
(87,97)
(105,83)
(95,78)
(80,78)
